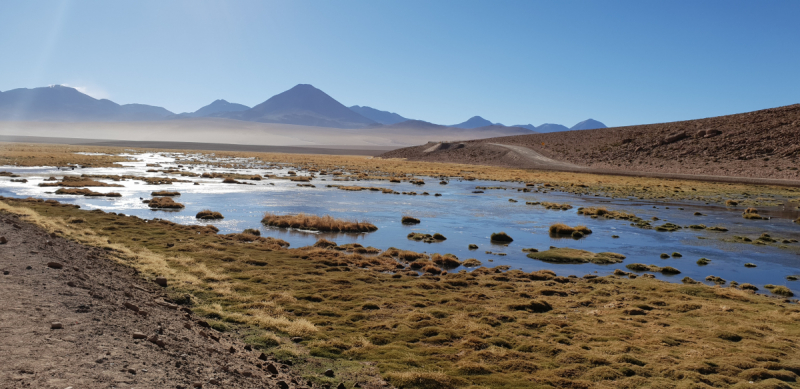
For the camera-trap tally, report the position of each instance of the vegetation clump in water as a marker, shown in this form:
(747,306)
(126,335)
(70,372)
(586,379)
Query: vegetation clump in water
(409,220)
(164,202)
(568,255)
(316,223)
(208,214)
(560,229)
(427,238)
(653,268)
(165,193)
(752,213)
(501,237)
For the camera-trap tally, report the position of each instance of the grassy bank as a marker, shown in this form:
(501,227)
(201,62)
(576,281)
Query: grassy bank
(488,328)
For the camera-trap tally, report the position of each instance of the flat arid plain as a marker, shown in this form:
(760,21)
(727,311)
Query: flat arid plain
(523,261)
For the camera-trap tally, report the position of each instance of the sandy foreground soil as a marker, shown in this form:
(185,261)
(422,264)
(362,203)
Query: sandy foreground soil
(72,318)
(762,144)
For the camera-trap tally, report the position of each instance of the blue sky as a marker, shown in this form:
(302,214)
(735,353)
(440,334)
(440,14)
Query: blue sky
(515,62)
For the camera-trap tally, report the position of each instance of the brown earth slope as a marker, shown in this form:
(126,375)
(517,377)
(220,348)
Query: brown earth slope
(759,144)
(101,308)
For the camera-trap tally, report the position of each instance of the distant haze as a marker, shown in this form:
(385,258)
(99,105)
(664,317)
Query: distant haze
(301,105)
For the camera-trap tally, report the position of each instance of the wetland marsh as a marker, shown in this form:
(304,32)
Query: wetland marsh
(532,309)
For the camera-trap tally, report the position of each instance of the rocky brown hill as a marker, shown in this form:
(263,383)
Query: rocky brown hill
(759,144)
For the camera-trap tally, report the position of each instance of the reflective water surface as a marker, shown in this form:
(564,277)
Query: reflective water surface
(460,215)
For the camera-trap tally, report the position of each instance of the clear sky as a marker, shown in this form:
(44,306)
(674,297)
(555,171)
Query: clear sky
(514,62)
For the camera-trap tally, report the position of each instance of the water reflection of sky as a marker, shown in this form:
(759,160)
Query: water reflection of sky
(462,216)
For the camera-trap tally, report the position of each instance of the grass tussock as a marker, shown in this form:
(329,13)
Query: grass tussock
(568,255)
(752,213)
(638,267)
(779,290)
(409,220)
(427,238)
(560,229)
(78,181)
(85,192)
(164,202)
(252,231)
(316,223)
(500,237)
(208,214)
(550,205)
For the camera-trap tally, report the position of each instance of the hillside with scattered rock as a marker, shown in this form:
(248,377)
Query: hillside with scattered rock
(759,144)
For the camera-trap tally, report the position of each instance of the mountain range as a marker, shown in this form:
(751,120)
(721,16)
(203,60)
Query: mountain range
(301,105)
(64,104)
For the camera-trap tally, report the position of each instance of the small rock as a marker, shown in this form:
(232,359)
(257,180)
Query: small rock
(5,272)
(231,350)
(213,382)
(329,373)
(54,265)
(28,267)
(139,335)
(187,326)
(71,284)
(247,373)
(203,323)
(131,307)
(142,313)
(132,371)
(272,369)
(263,357)
(3,240)
(248,348)
(197,384)
(155,340)
(282,385)
(56,325)
(340,386)
(161,281)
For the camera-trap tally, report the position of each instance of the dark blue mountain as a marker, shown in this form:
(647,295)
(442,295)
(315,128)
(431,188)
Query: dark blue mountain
(382,117)
(474,122)
(588,124)
(64,104)
(218,106)
(303,105)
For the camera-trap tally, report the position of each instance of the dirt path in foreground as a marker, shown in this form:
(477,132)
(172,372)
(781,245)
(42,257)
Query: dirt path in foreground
(70,317)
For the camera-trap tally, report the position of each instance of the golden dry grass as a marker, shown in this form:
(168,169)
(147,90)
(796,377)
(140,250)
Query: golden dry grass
(208,214)
(164,202)
(316,223)
(560,229)
(488,328)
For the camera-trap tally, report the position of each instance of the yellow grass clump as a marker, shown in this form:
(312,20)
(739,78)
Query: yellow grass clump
(164,202)
(208,214)
(560,229)
(316,223)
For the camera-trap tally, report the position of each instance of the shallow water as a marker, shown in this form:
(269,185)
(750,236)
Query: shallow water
(460,215)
